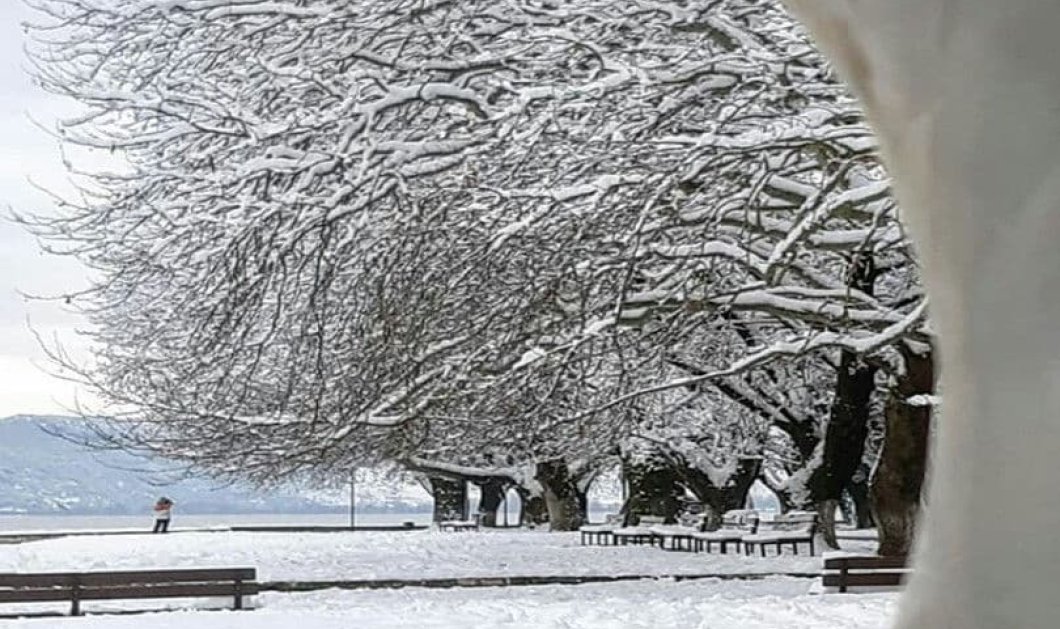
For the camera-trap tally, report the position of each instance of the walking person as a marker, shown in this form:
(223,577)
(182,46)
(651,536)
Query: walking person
(163,512)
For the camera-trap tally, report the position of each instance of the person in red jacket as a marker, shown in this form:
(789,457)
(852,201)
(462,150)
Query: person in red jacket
(163,512)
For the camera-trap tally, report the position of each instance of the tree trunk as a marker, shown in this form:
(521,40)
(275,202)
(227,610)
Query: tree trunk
(826,522)
(450,498)
(858,491)
(844,440)
(804,435)
(717,500)
(532,509)
(492,496)
(654,489)
(900,473)
(567,505)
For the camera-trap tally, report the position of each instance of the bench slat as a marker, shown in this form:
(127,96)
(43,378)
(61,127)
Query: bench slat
(35,595)
(168,576)
(127,577)
(37,580)
(866,579)
(865,563)
(175,590)
(179,590)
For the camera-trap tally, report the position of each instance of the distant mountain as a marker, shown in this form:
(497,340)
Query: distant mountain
(43,474)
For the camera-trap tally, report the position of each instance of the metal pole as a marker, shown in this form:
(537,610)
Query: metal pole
(353,498)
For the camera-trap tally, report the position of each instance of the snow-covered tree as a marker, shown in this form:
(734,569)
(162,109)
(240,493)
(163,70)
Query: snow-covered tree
(407,229)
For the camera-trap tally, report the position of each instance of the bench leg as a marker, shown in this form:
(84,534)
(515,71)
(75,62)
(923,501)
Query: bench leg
(795,547)
(75,599)
(762,547)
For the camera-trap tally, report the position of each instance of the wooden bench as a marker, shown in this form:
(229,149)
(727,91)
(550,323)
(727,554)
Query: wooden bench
(76,587)
(639,534)
(734,526)
(680,535)
(458,525)
(794,528)
(844,573)
(600,533)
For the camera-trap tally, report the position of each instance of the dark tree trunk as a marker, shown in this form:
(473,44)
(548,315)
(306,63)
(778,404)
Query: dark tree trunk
(532,509)
(654,489)
(450,498)
(848,419)
(567,504)
(492,496)
(858,491)
(844,440)
(717,500)
(903,461)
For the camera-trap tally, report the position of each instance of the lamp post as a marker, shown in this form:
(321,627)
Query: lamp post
(353,499)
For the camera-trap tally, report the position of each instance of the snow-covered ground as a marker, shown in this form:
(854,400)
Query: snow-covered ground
(709,604)
(364,555)
(770,604)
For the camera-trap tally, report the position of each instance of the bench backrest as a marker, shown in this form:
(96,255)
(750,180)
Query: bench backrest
(793,521)
(865,563)
(66,586)
(740,520)
(692,520)
(126,577)
(848,572)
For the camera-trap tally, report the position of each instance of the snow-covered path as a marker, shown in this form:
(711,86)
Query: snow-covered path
(363,555)
(712,604)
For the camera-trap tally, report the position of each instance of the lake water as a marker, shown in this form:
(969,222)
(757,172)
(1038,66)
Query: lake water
(97,522)
(107,522)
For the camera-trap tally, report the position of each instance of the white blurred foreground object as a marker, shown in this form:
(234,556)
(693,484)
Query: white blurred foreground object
(966,97)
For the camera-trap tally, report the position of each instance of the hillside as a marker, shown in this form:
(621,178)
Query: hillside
(43,474)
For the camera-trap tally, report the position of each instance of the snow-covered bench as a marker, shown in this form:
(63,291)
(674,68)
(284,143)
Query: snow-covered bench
(639,534)
(678,536)
(794,528)
(846,572)
(735,525)
(458,525)
(601,533)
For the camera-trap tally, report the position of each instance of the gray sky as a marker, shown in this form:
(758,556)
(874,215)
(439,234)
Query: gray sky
(28,153)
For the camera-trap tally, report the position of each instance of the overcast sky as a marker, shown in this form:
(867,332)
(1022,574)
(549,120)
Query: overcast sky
(28,154)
